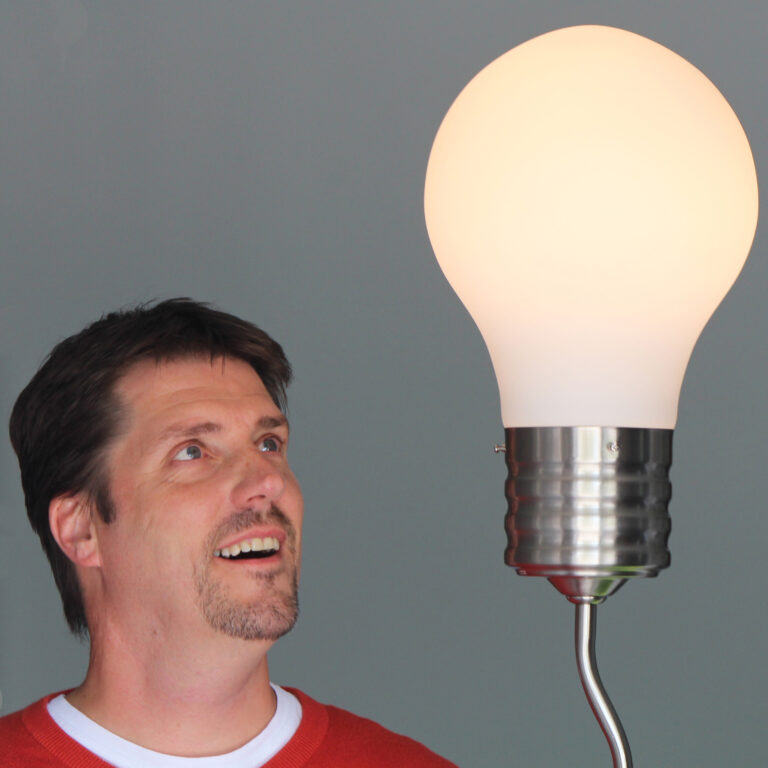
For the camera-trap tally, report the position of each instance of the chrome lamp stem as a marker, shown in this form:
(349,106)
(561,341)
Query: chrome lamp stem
(586,620)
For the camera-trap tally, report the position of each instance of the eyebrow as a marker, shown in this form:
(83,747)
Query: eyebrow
(184,430)
(207,427)
(272,422)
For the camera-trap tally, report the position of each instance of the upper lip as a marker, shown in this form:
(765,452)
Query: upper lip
(254,533)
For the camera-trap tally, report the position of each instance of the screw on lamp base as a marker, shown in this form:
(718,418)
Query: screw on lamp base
(588,506)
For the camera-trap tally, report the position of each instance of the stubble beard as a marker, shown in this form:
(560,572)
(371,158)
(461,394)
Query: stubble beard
(275,612)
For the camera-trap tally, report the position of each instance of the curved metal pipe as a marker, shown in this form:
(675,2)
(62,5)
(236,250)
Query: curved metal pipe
(586,622)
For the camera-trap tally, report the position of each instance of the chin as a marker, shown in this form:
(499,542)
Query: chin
(268,618)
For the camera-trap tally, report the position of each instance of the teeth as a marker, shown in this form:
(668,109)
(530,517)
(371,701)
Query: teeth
(249,545)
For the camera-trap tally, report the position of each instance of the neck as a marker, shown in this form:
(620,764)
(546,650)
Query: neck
(185,698)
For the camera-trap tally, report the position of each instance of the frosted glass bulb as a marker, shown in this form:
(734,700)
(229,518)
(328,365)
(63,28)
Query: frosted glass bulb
(591,197)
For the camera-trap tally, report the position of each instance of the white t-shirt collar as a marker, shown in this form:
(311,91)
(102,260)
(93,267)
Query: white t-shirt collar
(125,754)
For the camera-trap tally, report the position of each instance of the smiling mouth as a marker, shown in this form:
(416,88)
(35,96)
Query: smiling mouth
(250,549)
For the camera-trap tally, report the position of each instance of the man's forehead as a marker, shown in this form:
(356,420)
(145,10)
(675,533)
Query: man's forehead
(153,386)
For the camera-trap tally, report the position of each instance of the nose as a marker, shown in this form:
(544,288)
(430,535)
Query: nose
(260,481)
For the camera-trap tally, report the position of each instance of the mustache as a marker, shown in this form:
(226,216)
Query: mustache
(247,518)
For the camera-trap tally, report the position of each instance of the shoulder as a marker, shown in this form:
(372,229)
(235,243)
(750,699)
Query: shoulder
(20,748)
(11,724)
(357,741)
(13,727)
(368,740)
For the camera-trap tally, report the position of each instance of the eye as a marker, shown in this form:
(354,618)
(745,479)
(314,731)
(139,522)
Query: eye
(270,445)
(188,453)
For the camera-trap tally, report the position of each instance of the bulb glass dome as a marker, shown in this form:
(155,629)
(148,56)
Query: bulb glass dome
(591,197)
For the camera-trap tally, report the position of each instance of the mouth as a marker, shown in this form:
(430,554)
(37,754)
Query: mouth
(250,549)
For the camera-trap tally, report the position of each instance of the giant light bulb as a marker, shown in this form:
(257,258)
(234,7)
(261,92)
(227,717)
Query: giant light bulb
(591,197)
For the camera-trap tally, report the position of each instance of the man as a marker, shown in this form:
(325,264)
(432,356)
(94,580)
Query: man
(152,448)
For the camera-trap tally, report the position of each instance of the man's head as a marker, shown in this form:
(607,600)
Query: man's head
(90,427)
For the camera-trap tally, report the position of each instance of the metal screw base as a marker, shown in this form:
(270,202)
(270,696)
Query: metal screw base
(588,506)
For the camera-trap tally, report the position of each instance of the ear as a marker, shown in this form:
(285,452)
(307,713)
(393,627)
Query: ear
(72,526)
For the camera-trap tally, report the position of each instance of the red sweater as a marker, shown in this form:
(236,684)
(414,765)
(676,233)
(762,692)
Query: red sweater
(327,737)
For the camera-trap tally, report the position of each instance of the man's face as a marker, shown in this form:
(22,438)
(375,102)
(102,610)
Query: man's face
(199,471)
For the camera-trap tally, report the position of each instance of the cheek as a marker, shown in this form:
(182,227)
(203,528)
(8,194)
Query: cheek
(294,503)
(162,527)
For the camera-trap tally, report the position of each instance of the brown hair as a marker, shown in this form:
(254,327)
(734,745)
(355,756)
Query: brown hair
(65,417)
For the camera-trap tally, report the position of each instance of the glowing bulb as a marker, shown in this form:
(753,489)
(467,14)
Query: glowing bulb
(591,197)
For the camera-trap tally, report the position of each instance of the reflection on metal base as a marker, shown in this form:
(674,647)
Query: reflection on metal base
(588,506)
(586,619)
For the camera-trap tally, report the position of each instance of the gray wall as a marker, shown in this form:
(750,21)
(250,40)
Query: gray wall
(269,157)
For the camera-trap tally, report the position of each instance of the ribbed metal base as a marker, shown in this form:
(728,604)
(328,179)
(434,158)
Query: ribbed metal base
(588,506)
